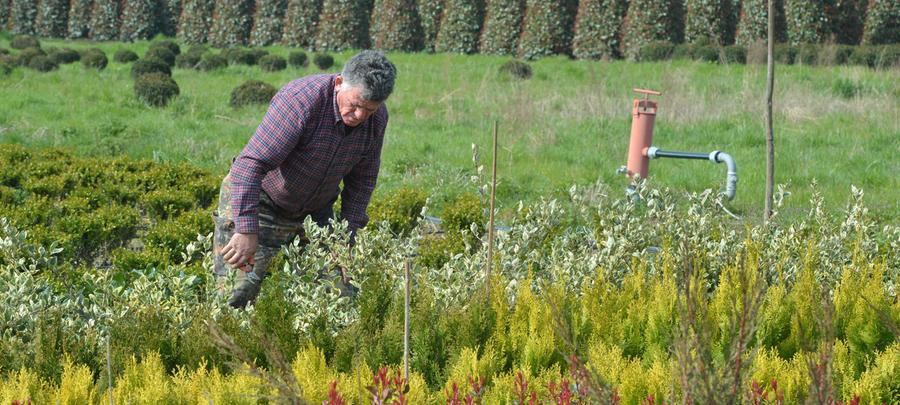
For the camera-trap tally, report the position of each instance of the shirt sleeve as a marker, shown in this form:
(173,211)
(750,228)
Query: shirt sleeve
(360,182)
(274,139)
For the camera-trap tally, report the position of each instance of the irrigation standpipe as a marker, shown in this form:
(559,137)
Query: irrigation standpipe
(641,149)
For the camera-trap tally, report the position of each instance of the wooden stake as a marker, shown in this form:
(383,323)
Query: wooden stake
(490,254)
(406,323)
(770,132)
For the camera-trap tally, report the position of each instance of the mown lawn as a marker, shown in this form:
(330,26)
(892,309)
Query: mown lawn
(568,124)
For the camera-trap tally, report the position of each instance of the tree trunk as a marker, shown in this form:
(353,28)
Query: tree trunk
(770,136)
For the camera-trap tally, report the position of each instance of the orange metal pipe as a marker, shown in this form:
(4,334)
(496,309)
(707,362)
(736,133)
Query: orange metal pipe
(643,114)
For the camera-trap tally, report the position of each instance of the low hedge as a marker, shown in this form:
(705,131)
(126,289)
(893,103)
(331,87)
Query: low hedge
(874,56)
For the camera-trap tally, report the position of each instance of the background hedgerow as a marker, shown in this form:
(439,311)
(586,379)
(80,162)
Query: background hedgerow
(80,12)
(252,92)
(460,27)
(4,13)
(52,18)
(430,16)
(139,19)
(598,29)
(395,26)
(231,23)
(547,28)
(343,24)
(649,21)
(23,16)
(845,20)
(882,25)
(708,21)
(195,21)
(268,22)
(501,27)
(301,21)
(754,19)
(105,20)
(155,89)
(169,14)
(806,21)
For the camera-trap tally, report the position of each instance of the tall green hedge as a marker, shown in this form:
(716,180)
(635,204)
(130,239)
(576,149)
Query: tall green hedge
(344,24)
(80,18)
(105,20)
(846,18)
(430,14)
(706,21)
(547,28)
(268,22)
(882,23)
(806,21)
(23,17)
(396,26)
(196,19)
(169,13)
(4,14)
(502,27)
(460,26)
(598,28)
(301,22)
(139,20)
(754,22)
(231,23)
(53,18)
(650,21)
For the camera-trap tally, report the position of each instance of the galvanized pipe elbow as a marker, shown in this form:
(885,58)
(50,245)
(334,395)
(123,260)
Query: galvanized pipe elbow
(731,180)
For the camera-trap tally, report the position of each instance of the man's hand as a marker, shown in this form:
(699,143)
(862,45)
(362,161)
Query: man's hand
(240,250)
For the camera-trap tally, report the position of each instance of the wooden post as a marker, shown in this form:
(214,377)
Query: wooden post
(770,133)
(406,322)
(490,252)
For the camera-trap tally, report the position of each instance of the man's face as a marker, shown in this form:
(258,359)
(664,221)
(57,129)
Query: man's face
(353,108)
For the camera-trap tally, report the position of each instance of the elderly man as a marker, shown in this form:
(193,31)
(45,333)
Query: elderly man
(319,131)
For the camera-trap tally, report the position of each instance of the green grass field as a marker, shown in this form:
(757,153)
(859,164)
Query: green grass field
(568,124)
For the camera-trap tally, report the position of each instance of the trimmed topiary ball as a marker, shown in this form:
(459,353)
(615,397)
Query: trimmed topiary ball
(24,41)
(238,56)
(252,92)
(151,65)
(298,59)
(5,68)
(162,54)
(516,69)
(11,60)
(212,62)
(28,54)
(167,44)
(64,56)
(272,63)
(323,61)
(42,64)
(125,56)
(94,60)
(198,49)
(155,89)
(705,53)
(4,51)
(257,54)
(187,60)
(735,54)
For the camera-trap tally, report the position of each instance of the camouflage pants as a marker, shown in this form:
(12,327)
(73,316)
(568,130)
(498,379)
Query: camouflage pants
(276,229)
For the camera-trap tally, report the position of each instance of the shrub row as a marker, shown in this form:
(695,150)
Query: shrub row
(875,56)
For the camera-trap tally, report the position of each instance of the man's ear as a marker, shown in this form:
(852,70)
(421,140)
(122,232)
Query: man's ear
(338,80)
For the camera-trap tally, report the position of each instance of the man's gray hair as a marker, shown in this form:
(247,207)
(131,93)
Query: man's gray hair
(373,73)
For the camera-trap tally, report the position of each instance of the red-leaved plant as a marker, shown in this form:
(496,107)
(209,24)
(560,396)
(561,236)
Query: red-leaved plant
(388,389)
(334,398)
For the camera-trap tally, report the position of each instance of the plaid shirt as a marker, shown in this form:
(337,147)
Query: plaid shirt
(300,154)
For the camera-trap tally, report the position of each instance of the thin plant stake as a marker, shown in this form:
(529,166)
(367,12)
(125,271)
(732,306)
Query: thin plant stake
(406,323)
(490,254)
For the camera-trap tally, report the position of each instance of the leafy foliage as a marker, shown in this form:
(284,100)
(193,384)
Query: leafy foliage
(650,21)
(343,24)
(272,63)
(707,21)
(430,16)
(155,89)
(323,61)
(460,27)
(754,22)
(196,21)
(80,19)
(52,18)
(301,22)
(252,92)
(23,15)
(598,29)
(395,26)
(231,23)
(105,20)
(94,59)
(150,65)
(806,21)
(139,19)
(882,24)
(501,27)
(547,28)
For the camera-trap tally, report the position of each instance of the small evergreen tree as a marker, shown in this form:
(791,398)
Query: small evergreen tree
(195,21)
(502,26)
(396,26)
(598,28)
(268,22)
(53,18)
(80,18)
(650,21)
(547,28)
(301,22)
(882,22)
(23,17)
(753,25)
(707,21)
(343,24)
(460,26)
(430,14)
(806,21)
(139,20)
(231,23)
(105,20)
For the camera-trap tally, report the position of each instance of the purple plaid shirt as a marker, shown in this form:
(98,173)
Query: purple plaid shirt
(300,154)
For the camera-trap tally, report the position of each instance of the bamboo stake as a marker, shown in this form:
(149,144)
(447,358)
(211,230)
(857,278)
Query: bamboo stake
(770,132)
(490,254)
(406,323)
